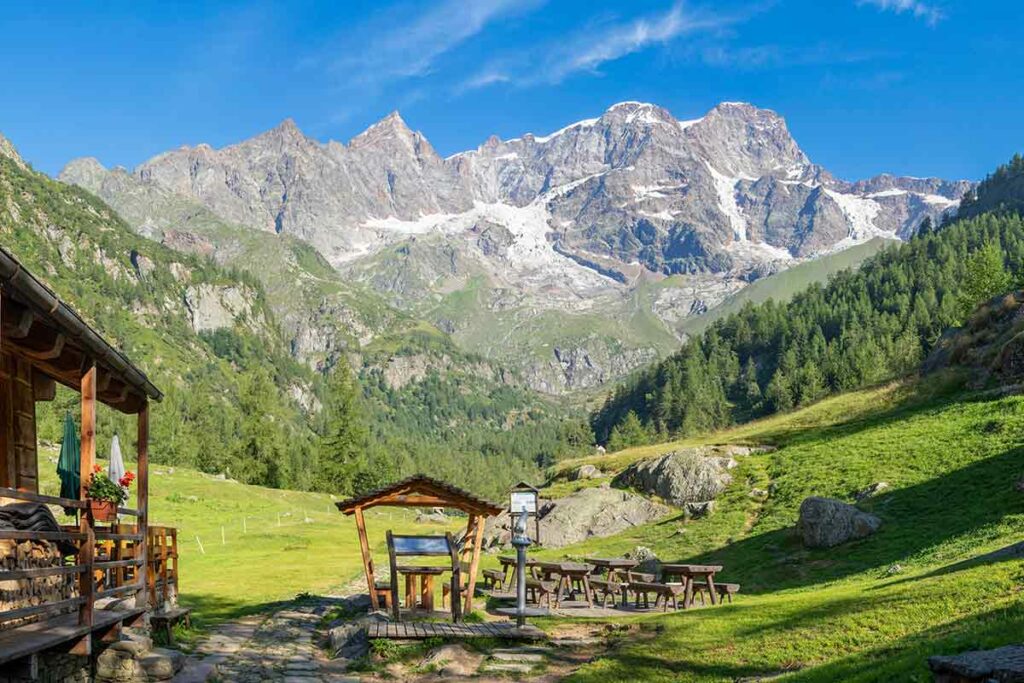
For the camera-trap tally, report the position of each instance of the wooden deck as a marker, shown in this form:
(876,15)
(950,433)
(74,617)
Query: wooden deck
(43,635)
(428,629)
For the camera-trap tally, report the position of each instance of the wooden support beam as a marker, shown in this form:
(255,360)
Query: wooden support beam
(18,322)
(142,501)
(44,387)
(48,350)
(88,446)
(477,524)
(364,548)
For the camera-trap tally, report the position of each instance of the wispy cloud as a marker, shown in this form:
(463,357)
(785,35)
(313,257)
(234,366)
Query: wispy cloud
(926,12)
(406,47)
(755,57)
(596,44)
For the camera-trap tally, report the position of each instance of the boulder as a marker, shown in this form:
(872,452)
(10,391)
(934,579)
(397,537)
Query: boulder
(649,562)
(1002,664)
(871,491)
(588,513)
(585,472)
(687,476)
(826,522)
(453,661)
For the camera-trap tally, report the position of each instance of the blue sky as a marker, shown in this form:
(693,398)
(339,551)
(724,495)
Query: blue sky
(918,87)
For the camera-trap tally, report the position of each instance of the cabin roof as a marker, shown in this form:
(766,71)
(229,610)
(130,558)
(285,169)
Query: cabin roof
(53,338)
(421,491)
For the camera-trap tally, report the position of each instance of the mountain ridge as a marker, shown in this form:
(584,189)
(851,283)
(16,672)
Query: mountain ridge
(518,234)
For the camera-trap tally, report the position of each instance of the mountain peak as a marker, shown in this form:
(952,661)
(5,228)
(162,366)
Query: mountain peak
(392,125)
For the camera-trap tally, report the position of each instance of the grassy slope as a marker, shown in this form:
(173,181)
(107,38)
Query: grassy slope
(784,285)
(267,560)
(952,462)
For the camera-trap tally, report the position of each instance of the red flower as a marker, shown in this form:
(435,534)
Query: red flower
(97,469)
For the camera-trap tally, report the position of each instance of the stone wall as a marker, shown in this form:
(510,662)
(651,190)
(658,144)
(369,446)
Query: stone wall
(56,668)
(21,593)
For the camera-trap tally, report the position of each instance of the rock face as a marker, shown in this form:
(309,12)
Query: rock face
(589,513)
(690,477)
(542,239)
(826,522)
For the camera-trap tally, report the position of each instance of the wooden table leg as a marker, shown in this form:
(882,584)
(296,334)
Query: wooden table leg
(711,589)
(688,599)
(427,592)
(410,591)
(586,590)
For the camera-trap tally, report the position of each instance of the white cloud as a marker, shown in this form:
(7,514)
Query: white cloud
(591,46)
(928,13)
(398,47)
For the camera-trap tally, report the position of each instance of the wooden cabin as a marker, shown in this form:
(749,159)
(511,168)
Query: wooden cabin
(52,575)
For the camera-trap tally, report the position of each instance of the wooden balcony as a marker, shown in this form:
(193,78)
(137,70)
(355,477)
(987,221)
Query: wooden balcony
(109,565)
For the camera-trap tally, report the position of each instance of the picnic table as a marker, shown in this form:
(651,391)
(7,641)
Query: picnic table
(569,573)
(508,565)
(425,575)
(687,573)
(611,566)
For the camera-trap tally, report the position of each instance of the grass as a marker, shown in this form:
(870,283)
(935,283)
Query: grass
(276,543)
(871,610)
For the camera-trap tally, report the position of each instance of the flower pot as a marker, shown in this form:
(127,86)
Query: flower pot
(103,510)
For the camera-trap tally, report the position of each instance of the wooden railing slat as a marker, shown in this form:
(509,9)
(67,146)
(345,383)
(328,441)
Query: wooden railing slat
(33,497)
(48,608)
(16,574)
(19,535)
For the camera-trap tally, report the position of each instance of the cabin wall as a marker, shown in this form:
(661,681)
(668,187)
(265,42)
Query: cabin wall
(19,464)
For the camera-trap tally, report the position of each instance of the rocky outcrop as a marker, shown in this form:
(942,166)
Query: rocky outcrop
(211,307)
(589,513)
(826,522)
(690,478)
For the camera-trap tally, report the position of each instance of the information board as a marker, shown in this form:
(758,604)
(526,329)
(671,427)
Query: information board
(524,500)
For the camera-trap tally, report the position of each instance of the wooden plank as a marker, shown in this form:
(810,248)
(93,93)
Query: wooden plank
(35,610)
(19,535)
(364,549)
(88,441)
(43,635)
(39,498)
(112,536)
(119,590)
(142,502)
(16,574)
(474,563)
(86,585)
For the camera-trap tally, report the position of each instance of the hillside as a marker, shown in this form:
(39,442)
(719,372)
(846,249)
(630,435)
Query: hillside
(869,610)
(862,327)
(209,336)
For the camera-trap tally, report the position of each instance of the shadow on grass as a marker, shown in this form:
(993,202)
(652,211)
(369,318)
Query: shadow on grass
(915,519)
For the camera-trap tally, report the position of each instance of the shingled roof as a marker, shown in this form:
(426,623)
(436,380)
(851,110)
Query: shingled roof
(421,491)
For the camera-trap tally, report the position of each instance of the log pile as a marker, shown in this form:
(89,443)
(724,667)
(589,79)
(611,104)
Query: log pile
(31,554)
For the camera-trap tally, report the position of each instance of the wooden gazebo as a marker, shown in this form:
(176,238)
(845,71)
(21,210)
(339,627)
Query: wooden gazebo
(425,492)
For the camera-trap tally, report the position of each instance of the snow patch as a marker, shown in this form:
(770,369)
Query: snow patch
(860,213)
(894,192)
(725,186)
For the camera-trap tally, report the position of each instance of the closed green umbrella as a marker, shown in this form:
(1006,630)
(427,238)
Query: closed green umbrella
(70,458)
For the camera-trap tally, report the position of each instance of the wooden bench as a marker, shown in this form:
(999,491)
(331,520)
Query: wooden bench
(541,590)
(664,592)
(494,579)
(725,591)
(166,620)
(446,588)
(604,589)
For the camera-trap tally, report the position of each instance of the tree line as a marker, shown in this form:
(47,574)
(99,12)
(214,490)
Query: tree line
(861,328)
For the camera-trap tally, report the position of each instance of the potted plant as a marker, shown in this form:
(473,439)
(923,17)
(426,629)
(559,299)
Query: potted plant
(106,495)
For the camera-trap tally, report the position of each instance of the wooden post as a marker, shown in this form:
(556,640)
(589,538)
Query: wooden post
(474,563)
(142,504)
(88,447)
(364,547)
